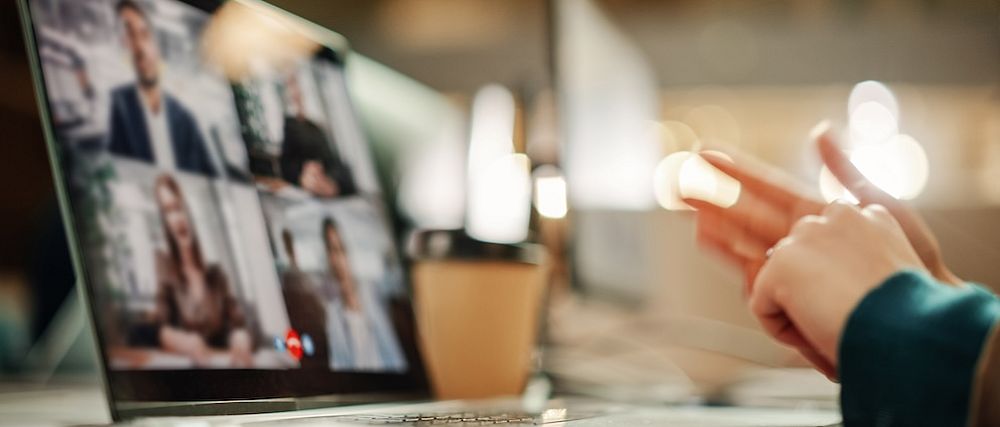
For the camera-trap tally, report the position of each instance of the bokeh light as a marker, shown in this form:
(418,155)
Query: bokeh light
(491,132)
(666,181)
(873,113)
(686,175)
(872,91)
(700,180)
(894,162)
(500,208)
(499,195)
(872,122)
(550,192)
(912,164)
(898,167)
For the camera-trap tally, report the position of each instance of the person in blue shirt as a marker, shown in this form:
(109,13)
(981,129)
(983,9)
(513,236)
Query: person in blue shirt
(863,293)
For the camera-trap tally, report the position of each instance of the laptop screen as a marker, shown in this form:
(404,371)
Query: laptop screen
(223,205)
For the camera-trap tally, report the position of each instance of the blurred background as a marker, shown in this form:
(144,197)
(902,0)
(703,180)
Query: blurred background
(569,122)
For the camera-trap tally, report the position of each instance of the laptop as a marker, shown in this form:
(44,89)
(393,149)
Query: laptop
(228,229)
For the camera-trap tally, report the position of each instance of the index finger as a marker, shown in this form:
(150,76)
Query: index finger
(849,175)
(753,214)
(755,177)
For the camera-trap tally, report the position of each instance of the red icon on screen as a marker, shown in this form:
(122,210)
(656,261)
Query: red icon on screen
(293,344)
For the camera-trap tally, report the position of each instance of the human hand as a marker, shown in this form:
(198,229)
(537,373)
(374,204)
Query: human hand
(240,348)
(817,275)
(770,202)
(314,180)
(186,343)
(917,232)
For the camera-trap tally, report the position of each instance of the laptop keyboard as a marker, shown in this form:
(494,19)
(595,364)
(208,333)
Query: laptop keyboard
(458,419)
(551,417)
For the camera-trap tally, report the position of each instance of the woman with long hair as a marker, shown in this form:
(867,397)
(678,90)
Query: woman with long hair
(195,308)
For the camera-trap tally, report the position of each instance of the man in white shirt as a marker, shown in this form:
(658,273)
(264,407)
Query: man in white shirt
(147,123)
(159,136)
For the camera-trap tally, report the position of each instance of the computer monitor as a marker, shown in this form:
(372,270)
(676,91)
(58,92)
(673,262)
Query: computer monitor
(221,201)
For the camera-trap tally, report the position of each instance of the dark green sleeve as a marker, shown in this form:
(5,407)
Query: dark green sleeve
(909,350)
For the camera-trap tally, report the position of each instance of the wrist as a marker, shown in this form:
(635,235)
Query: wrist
(913,334)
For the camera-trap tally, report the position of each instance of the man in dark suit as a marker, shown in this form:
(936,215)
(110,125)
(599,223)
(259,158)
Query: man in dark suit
(146,122)
(308,159)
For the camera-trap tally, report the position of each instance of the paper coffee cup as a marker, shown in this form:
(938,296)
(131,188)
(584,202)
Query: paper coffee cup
(477,308)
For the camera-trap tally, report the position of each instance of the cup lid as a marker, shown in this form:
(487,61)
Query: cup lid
(425,245)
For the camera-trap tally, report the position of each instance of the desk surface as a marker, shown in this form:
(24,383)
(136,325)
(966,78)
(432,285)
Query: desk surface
(26,404)
(23,404)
